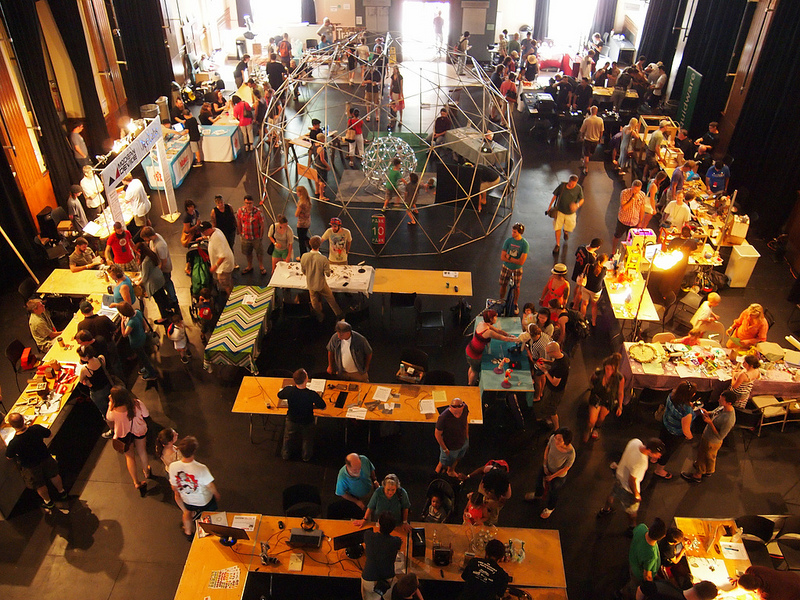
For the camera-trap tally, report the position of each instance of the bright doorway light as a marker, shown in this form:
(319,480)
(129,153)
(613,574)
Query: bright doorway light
(417,28)
(570,21)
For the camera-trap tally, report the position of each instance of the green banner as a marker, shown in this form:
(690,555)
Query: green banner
(691,88)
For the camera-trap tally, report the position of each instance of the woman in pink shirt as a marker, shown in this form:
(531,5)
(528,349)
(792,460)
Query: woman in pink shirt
(126,415)
(243,112)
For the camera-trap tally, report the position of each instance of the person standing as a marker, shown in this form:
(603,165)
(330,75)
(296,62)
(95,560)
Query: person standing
(719,423)
(192,483)
(357,481)
(119,249)
(349,354)
(94,375)
(132,327)
(513,256)
(243,113)
(303,214)
(462,48)
(282,237)
(239,71)
(123,287)
(584,255)
(484,578)
(285,50)
(559,456)
(126,414)
(372,92)
(75,210)
(276,73)
(250,227)
(300,414)
(339,240)
(220,256)
(380,551)
(485,330)
(452,435)
(556,374)
(630,472)
(390,498)
(158,245)
(195,137)
(607,394)
(41,325)
(556,288)
(644,558)
(567,199)
(28,450)
(92,188)
(140,203)
(592,133)
(655,147)
(79,149)
(717,178)
(151,278)
(677,213)
(223,217)
(631,211)
(316,268)
(438,31)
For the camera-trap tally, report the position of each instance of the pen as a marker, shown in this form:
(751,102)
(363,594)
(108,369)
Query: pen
(441,572)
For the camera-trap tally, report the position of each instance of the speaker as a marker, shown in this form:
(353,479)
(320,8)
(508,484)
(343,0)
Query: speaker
(442,556)
(47,226)
(418,542)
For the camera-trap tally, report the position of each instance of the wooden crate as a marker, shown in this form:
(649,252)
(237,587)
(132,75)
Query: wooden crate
(649,123)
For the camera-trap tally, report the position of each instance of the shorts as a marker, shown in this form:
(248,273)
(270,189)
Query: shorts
(589,147)
(372,97)
(280,254)
(210,507)
(588,295)
(37,476)
(474,363)
(622,229)
(652,163)
(249,245)
(562,220)
(626,498)
(195,146)
(224,280)
(513,274)
(448,460)
(485,185)
(548,406)
(139,222)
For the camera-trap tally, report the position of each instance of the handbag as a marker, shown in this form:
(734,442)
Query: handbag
(271,233)
(553,212)
(121,445)
(382,586)
(350,135)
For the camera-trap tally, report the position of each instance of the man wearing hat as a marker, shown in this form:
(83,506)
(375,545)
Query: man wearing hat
(75,209)
(514,254)
(83,257)
(339,240)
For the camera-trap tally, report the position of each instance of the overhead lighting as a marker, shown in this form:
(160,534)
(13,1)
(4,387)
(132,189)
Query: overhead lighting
(667,260)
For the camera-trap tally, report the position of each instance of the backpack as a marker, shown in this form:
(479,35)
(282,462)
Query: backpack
(511,94)
(576,324)
(248,111)
(283,49)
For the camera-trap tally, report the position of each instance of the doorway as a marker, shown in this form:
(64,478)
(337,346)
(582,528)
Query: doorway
(419,41)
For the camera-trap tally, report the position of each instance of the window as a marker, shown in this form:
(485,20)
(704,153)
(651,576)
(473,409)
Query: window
(266,13)
(570,21)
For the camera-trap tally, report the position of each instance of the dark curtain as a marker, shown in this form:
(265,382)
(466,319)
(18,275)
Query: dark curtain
(149,69)
(708,50)
(766,141)
(242,9)
(308,12)
(658,39)
(604,15)
(23,27)
(541,19)
(68,19)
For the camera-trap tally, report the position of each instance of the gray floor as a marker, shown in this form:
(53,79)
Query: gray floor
(113,544)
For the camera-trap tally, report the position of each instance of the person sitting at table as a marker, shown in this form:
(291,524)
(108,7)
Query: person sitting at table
(390,498)
(770,584)
(690,339)
(749,329)
(218,102)
(484,578)
(119,249)
(484,332)
(41,325)
(207,115)
(684,242)
(441,125)
(743,377)
(357,481)
(83,257)
(123,287)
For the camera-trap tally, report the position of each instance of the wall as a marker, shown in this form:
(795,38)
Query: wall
(65,74)
(630,16)
(340,12)
(513,14)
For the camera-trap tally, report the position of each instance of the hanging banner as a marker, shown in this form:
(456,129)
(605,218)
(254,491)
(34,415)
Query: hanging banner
(691,90)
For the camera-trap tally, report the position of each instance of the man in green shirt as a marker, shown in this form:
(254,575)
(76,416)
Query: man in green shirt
(393,176)
(567,199)
(513,255)
(643,557)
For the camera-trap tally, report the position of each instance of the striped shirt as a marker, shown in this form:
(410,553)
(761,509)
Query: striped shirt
(537,347)
(630,206)
(673,416)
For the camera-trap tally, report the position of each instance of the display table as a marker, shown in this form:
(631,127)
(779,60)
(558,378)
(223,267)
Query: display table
(468,141)
(243,322)
(429,283)
(624,298)
(103,224)
(705,540)
(343,278)
(63,282)
(606,92)
(180,158)
(221,143)
(520,380)
(540,570)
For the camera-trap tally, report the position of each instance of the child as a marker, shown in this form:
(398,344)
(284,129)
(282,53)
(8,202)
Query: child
(165,446)
(436,512)
(692,339)
(205,312)
(392,179)
(412,185)
(177,333)
(528,315)
(475,511)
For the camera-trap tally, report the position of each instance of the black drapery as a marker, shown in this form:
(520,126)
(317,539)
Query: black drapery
(659,38)
(243,8)
(766,141)
(308,12)
(22,23)
(604,16)
(68,19)
(708,50)
(541,19)
(149,71)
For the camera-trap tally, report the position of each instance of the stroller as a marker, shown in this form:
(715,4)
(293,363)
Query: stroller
(200,267)
(442,489)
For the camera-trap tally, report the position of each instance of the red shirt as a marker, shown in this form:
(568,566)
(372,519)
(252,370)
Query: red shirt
(121,248)
(238,113)
(356,125)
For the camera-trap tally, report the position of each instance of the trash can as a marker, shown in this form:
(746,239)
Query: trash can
(241,47)
(378,228)
(163,108)
(743,260)
(149,111)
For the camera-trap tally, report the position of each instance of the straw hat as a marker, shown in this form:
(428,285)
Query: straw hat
(559,269)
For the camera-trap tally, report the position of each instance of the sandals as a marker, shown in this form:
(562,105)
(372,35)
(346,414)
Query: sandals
(247,270)
(263,271)
(666,477)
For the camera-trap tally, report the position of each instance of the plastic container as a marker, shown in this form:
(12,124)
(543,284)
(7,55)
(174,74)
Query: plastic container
(743,260)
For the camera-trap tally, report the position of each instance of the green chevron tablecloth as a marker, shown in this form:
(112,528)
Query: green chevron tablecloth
(237,336)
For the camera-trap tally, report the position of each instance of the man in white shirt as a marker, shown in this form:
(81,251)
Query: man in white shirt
(631,470)
(140,203)
(159,245)
(192,483)
(591,132)
(349,354)
(677,213)
(92,188)
(220,255)
(586,68)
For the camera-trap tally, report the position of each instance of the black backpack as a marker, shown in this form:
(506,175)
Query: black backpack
(576,324)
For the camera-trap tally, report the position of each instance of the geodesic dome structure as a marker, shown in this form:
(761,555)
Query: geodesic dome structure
(478,158)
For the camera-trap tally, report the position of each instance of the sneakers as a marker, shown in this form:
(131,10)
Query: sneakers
(556,248)
(107,435)
(63,496)
(48,505)
(197,165)
(690,478)
(566,235)
(546,513)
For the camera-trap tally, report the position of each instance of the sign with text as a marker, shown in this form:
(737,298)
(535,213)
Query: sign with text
(691,90)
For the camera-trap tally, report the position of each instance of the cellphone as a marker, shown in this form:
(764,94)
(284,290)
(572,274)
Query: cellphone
(341,399)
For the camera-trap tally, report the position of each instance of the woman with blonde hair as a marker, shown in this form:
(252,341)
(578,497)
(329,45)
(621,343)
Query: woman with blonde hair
(749,329)
(303,214)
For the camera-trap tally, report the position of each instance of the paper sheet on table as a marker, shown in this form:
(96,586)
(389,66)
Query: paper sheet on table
(683,371)
(451,274)
(733,550)
(356,412)
(382,393)
(318,385)
(427,406)
(653,368)
(709,569)
(92,228)
(246,522)
(439,396)
(724,376)
(249,299)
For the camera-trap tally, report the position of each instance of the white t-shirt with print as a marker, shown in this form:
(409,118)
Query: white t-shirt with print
(191,479)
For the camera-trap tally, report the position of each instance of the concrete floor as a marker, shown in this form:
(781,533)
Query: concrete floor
(112,544)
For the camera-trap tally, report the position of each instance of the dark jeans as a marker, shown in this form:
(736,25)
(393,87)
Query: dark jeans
(302,239)
(100,399)
(144,361)
(671,443)
(291,431)
(169,286)
(554,485)
(164,303)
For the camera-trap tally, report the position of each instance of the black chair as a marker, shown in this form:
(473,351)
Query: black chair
(686,308)
(398,301)
(747,421)
(429,321)
(417,360)
(756,526)
(302,500)
(439,377)
(14,353)
(27,288)
(789,542)
(344,510)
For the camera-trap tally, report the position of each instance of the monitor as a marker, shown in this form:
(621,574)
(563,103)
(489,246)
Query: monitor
(348,540)
(228,536)
(650,251)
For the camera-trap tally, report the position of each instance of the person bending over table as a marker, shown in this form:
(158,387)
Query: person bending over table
(749,329)
(123,287)
(380,550)
(484,578)
(300,414)
(484,331)
(349,354)
(389,498)
(357,481)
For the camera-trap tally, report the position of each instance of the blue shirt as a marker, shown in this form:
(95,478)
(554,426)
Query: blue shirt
(118,295)
(356,486)
(136,337)
(515,249)
(718,177)
(673,415)
(379,503)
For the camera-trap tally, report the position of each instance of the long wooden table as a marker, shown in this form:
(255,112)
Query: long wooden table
(624,309)
(703,544)
(64,282)
(420,281)
(541,571)
(343,278)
